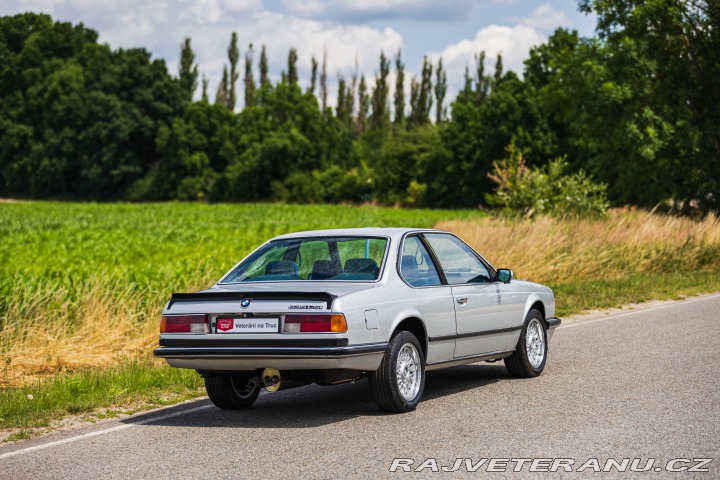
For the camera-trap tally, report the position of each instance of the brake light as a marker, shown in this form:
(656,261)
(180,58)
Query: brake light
(301,323)
(184,324)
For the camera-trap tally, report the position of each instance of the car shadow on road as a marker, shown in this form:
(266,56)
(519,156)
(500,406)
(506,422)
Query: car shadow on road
(449,381)
(314,405)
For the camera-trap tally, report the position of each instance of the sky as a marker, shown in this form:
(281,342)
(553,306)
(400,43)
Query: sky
(350,31)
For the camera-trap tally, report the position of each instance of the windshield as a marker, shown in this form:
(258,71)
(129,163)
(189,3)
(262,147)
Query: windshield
(313,258)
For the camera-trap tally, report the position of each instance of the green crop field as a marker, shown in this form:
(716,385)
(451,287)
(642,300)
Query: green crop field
(82,285)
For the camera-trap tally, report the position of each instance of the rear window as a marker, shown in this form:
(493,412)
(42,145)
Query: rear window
(313,258)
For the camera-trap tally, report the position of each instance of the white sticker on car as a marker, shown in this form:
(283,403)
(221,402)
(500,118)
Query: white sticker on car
(247,325)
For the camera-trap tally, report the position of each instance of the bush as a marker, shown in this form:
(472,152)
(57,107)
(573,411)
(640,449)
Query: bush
(549,190)
(331,185)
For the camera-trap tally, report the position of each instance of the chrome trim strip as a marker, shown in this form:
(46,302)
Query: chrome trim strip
(475,334)
(250,352)
(469,359)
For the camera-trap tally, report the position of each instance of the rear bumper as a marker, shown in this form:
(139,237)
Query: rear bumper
(365,357)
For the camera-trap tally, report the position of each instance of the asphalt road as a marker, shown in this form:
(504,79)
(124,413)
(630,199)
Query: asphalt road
(639,385)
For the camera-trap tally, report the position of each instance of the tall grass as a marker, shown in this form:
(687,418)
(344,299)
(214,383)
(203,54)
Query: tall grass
(630,256)
(129,383)
(82,285)
(548,250)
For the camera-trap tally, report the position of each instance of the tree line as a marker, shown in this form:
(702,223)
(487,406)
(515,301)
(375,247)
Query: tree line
(636,107)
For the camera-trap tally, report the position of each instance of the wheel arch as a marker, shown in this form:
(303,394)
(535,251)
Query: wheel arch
(414,325)
(535,302)
(539,306)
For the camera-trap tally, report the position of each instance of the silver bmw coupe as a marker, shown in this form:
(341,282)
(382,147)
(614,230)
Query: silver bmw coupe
(335,306)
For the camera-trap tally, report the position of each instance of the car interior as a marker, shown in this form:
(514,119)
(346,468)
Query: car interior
(354,269)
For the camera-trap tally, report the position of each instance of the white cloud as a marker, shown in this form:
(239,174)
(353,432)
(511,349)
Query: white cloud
(47,6)
(344,45)
(545,17)
(241,6)
(513,42)
(365,10)
(306,8)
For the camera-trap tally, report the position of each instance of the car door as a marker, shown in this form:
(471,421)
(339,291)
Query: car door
(482,310)
(430,297)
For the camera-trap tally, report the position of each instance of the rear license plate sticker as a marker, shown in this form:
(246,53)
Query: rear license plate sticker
(247,325)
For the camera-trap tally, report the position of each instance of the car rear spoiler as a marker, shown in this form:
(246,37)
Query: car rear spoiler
(230,296)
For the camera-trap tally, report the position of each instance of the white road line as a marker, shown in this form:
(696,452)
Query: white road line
(100,432)
(636,312)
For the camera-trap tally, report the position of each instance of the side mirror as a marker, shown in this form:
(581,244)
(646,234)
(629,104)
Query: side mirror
(504,275)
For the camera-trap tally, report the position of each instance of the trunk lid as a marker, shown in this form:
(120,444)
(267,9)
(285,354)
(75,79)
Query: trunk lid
(275,299)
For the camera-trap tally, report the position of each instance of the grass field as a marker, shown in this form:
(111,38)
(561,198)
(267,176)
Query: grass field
(82,285)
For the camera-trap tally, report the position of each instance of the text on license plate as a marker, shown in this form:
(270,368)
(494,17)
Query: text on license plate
(247,325)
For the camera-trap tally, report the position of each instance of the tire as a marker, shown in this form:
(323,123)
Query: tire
(231,393)
(529,362)
(404,358)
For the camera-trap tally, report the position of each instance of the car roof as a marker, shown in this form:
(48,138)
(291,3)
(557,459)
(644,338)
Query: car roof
(392,232)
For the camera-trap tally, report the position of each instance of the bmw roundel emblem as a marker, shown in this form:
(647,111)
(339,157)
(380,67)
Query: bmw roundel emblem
(245,302)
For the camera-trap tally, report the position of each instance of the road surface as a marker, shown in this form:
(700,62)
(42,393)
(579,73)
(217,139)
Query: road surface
(640,385)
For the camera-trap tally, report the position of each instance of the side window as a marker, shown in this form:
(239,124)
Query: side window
(458,262)
(416,266)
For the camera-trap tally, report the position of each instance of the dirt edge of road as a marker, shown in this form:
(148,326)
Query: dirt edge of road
(632,307)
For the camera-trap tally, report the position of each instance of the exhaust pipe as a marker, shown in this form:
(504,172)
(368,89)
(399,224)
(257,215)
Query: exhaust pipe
(272,381)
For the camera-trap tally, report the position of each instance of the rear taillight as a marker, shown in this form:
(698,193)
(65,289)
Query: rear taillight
(184,324)
(300,323)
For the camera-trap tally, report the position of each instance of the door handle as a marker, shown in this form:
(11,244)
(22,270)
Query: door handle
(462,301)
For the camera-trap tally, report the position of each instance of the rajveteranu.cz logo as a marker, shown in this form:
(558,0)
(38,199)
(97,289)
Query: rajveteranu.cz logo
(224,324)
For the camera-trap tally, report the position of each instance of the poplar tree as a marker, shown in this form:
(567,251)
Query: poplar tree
(350,95)
(414,100)
(221,97)
(421,96)
(249,81)
(426,99)
(380,115)
(341,110)
(188,70)
(292,75)
(263,67)
(467,87)
(498,68)
(205,89)
(440,91)
(481,80)
(234,57)
(399,89)
(323,82)
(363,105)
(313,75)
